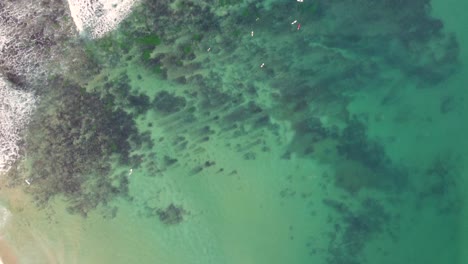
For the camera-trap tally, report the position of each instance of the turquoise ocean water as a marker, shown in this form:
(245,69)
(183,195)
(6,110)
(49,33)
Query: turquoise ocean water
(241,132)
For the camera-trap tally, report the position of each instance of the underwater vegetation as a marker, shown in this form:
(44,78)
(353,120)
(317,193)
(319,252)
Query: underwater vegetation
(71,147)
(168,103)
(354,228)
(231,85)
(171,215)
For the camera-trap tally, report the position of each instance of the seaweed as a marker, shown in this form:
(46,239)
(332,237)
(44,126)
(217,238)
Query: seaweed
(355,145)
(72,144)
(358,226)
(171,215)
(141,103)
(149,40)
(169,103)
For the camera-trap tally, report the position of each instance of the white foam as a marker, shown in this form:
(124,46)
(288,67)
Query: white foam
(16,108)
(4,217)
(98,17)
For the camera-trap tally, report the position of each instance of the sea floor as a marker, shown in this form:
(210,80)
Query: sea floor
(260,207)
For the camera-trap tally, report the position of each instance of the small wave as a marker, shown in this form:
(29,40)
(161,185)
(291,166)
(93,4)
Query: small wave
(4,217)
(96,18)
(16,108)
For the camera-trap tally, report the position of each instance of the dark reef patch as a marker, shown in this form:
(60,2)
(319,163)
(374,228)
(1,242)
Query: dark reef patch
(171,215)
(168,103)
(75,133)
(365,163)
(354,227)
(354,144)
(439,190)
(141,103)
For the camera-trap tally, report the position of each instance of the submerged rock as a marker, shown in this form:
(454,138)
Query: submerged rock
(171,215)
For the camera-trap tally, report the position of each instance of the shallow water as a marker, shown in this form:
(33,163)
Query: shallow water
(325,143)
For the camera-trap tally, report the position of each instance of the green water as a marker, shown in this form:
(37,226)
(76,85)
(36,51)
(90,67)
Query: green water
(224,133)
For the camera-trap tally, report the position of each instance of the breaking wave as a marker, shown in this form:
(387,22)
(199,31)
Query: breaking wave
(23,63)
(96,18)
(16,107)
(4,216)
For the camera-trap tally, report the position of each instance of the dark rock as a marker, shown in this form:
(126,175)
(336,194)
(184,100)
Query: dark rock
(171,215)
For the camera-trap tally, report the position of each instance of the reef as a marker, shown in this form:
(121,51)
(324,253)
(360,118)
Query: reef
(190,43)
(439,190)
(168,103)
(354,227)
(233,87)
(74,137)
(171,215)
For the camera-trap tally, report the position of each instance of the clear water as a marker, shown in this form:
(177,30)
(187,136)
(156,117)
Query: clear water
(224,132)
